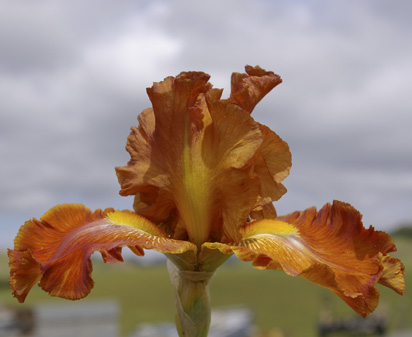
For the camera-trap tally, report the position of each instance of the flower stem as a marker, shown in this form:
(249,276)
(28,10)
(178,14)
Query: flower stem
(191,290)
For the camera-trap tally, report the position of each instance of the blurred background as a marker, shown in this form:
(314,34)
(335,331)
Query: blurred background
(72,82)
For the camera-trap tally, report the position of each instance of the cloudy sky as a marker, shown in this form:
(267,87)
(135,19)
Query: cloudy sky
(73,76)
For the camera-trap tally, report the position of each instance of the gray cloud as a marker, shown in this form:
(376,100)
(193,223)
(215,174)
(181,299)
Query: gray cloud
(73,79)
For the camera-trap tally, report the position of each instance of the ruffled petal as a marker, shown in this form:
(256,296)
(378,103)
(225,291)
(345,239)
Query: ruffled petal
(199,164)
(330,247)
(56,250)
(272,163)
(393,274)
(248,89)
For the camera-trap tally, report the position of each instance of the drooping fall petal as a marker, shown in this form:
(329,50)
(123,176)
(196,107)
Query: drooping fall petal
(330,247)
(201,164)
(56,250)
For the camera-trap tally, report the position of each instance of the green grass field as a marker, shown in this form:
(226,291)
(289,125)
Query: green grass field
(278,301)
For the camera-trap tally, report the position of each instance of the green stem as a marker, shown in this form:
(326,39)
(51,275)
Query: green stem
(191,290)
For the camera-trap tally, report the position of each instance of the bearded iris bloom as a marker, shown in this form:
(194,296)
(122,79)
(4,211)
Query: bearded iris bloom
(205,175)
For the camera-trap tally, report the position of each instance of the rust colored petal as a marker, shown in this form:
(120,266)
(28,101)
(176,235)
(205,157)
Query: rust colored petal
(330,247)
(201,164)
(56,250)
(272,163)
(248,89)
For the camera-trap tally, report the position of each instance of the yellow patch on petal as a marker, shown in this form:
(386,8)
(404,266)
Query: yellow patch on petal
(126,218)
(193,197)
(275,227)
(56,250)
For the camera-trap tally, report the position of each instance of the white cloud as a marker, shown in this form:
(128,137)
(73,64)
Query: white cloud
(130,59)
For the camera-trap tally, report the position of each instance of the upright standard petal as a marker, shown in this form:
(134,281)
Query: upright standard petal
(330,247)
(201,165)
(248,89)
(56,250)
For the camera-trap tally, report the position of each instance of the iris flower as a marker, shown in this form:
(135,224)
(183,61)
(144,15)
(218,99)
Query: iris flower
(204,175)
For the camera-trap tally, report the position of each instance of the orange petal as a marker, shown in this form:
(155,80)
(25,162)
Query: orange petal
(56,250)
(330,247)
(199,164)
(248,89)
(24,272)
(272,163)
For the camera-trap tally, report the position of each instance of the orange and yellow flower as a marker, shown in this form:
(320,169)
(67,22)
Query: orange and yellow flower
(205,175)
